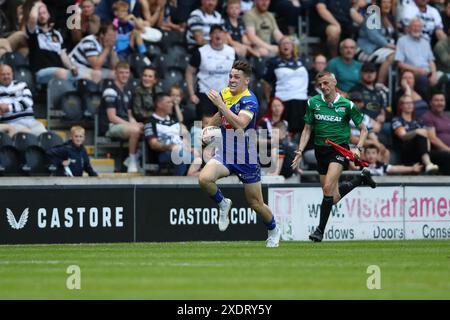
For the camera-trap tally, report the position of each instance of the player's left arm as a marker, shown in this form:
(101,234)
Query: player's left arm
(357,118)
(239,121)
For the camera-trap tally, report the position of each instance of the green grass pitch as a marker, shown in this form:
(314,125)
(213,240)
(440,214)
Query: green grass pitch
(228,270)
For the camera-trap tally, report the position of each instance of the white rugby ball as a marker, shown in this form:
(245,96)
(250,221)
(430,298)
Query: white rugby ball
(211,134)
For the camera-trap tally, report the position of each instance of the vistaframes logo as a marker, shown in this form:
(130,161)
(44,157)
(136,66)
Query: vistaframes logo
(12,219)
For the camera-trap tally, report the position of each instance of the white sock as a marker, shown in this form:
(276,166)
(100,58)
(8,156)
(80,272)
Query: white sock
(132,157)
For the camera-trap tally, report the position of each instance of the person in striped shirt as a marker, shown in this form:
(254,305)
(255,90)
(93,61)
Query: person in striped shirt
(200,22)
(16,104)
(94,55)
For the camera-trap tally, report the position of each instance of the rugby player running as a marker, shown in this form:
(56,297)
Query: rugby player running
(237,109)
(329,114)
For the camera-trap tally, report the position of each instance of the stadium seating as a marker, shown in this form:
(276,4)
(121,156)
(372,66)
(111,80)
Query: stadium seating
(47,140)
(170,39)
(36,162)
(90,94)
(173,76)
(23,73)
(55,91)
(153,52)
(71,107)
(137,63)
(14,59)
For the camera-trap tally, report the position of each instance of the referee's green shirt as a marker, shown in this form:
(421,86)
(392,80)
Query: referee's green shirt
(331,120)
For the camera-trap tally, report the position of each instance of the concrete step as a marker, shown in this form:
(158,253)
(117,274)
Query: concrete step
(103,165)
(120,174)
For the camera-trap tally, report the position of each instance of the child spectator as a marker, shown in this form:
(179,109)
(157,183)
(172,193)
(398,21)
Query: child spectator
(377,168)
(71,158)
(129,31)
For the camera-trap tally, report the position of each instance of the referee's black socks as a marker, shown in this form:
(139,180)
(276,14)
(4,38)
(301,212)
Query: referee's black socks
(347,186)
(325,210)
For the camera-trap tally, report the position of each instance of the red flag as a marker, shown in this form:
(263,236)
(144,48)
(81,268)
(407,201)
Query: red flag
(348,154)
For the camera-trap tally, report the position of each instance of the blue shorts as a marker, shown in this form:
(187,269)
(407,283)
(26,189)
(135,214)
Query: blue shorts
(247,173)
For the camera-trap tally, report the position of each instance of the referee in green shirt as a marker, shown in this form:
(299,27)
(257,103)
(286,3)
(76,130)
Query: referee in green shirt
(329,114)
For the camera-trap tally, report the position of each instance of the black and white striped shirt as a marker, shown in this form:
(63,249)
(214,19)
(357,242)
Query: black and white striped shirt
(45,49)
(201,21)
(87,47)
(18,96)
(166,130)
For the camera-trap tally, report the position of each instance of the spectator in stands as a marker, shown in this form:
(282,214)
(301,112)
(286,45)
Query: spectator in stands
(89,21)
(331,20)
(372,126)
(422,65)
(153,11)
(345,67)
(164,135)
(430,17)
(16,40)
(16,104)
(378,44)
(94,55)
(442,52)
(71,158)
(142,102)
(289,77)
(411,137)
(319,65)
(289,11)
(262,29)
(168,22)
(235,28)
(129,31)
(375,98)
(48,57)
(60,15)
(115,117)
(283,152)
(407,85)
(200,22)
(445,15)
(183,113)
(438,123)
(247,5)
(212,63)
(273,114)
(380,168)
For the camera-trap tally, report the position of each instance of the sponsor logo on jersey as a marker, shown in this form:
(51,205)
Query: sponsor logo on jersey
(328,118)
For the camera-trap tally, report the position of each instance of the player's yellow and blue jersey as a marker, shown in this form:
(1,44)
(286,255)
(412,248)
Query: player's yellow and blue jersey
(239,149)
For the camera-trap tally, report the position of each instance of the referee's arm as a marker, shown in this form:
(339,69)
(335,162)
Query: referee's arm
(362,139)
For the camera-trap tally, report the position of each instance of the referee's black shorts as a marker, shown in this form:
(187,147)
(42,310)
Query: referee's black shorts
(325,155)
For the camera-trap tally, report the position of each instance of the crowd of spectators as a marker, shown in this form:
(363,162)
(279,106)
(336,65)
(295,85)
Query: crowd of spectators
(393,62)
